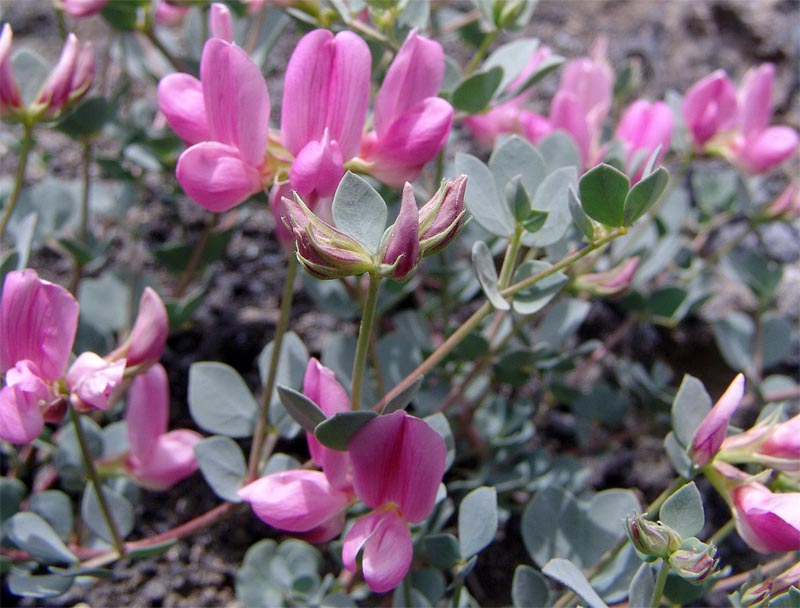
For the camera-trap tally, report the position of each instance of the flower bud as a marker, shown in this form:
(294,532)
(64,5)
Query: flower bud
(442,217)
(760,593)
(149,334)
(81,8)
(712,430)
(652,538)
(786,206)
(709,107)
(68,81)
(94,382)
(324,251)
(695,561)
(10,97)
(402,246)
(220,22)
(610,283)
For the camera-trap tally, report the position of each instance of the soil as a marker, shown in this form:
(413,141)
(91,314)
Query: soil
(674,43)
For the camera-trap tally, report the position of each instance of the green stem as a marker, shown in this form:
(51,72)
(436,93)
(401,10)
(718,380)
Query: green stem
(27,144)
(197,257)
(176,63)
(661,580)
(118,543)
(272,373)
(83,220)
(478,57)
(723,532)
(364,333)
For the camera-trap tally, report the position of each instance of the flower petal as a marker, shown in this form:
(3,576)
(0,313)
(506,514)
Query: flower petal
(180,97)
(149,334)
(712,430)
(388,549)
(38,321)
(767,149)
(768,522)
(147,413)
(318,168)
(21,419)
(295,500)
(95,382)
(755,100)
(171,460)
(215,176)
(236,99)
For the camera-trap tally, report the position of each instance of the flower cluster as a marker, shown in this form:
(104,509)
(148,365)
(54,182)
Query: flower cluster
(735,124)
(767,521)
(393,465)
(68,82)
(225,119)
(38,323)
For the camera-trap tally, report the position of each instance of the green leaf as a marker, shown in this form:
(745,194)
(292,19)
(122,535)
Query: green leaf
(477,520)
(253,588)
(30,72)
(292,363)
(121,512)
(482,198)
(88,118)
(56,508)
(359,211)
(487,275)
(38,585)
(559,150)
(690,406)
(735,337)
(105,302)
(303,411)
(12,492)
(337,430)
(529,588)
(580,218)
(534,298)
(553,196)
(518,198)
(30,532)
(640,592)
(645,194)
(79,251)
(603,193)
(567,573)
(776,340)
(442,550)
(438,422)
(548,64)
(151,550)
(678,456)
(122,15)
(512,58)
(683,511)
(517,158)
(761,274)
(535,220)
(174,258)
(223,465)
(403,398)
(474,93)
(220,401)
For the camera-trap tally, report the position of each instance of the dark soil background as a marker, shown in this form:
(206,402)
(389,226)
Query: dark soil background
(673,42)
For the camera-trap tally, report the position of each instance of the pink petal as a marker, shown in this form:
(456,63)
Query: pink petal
(712,430)
(767,149)
(784,440)
(295,501)
(216,177)
(147,413)
(398,458)
(767,521)
(566,114)
(171,460)
(38,321)
(755,100)
(180,97)
(55,91)
(220,23)
(387,546)
(83,8)
(412,140)
(94,382)
(415,74)
(318,168)
(9,92)
(149,334)
(403,242)
(503,118)
(21,419)
(709,106)
(236,100)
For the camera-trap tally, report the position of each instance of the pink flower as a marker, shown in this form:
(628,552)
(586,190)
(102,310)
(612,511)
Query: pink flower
(767,521)
(712,430)
(402,245)
(38,321)
(157,459)
(757,146)
(94,382)
(398,463)
(146,342)
(787,205)
(170,14)
(644,127)
(326,93)
(612,282)
(10,97)
(709,107)
(583,100)
(224,168)
(82,8)
(411,122)
(220,22)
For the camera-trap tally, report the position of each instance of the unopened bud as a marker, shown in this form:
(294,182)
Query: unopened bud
(786,206)
(220,22)
(652,538)
(695,561)
(10,97)
(610,283)
(402,246)
(324,251)
(442,217)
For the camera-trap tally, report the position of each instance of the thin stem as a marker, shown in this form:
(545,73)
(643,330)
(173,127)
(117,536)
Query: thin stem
(364,333)
(272,373)
(118,543)
(83,221)
(197,257)
(482,50)
(723,532)
(661,580)
(767,570)
(176,63)
(19,178)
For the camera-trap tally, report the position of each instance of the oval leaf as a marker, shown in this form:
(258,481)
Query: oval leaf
(401,401)
(482,198)
(474,94)
(303,411)
(683,511)
(121,512)
(337,430)
(567,573)
(220,401)
(603,193)
(31,533)
(222,464)
(487,275)
(477,520)
(534,298)
(645,194)
(359,211)
(529,588)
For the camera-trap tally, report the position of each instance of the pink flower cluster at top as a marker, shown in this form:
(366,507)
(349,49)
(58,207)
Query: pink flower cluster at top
(224,118)
(767,521)
(737,124)
(394,465)
(38,323)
